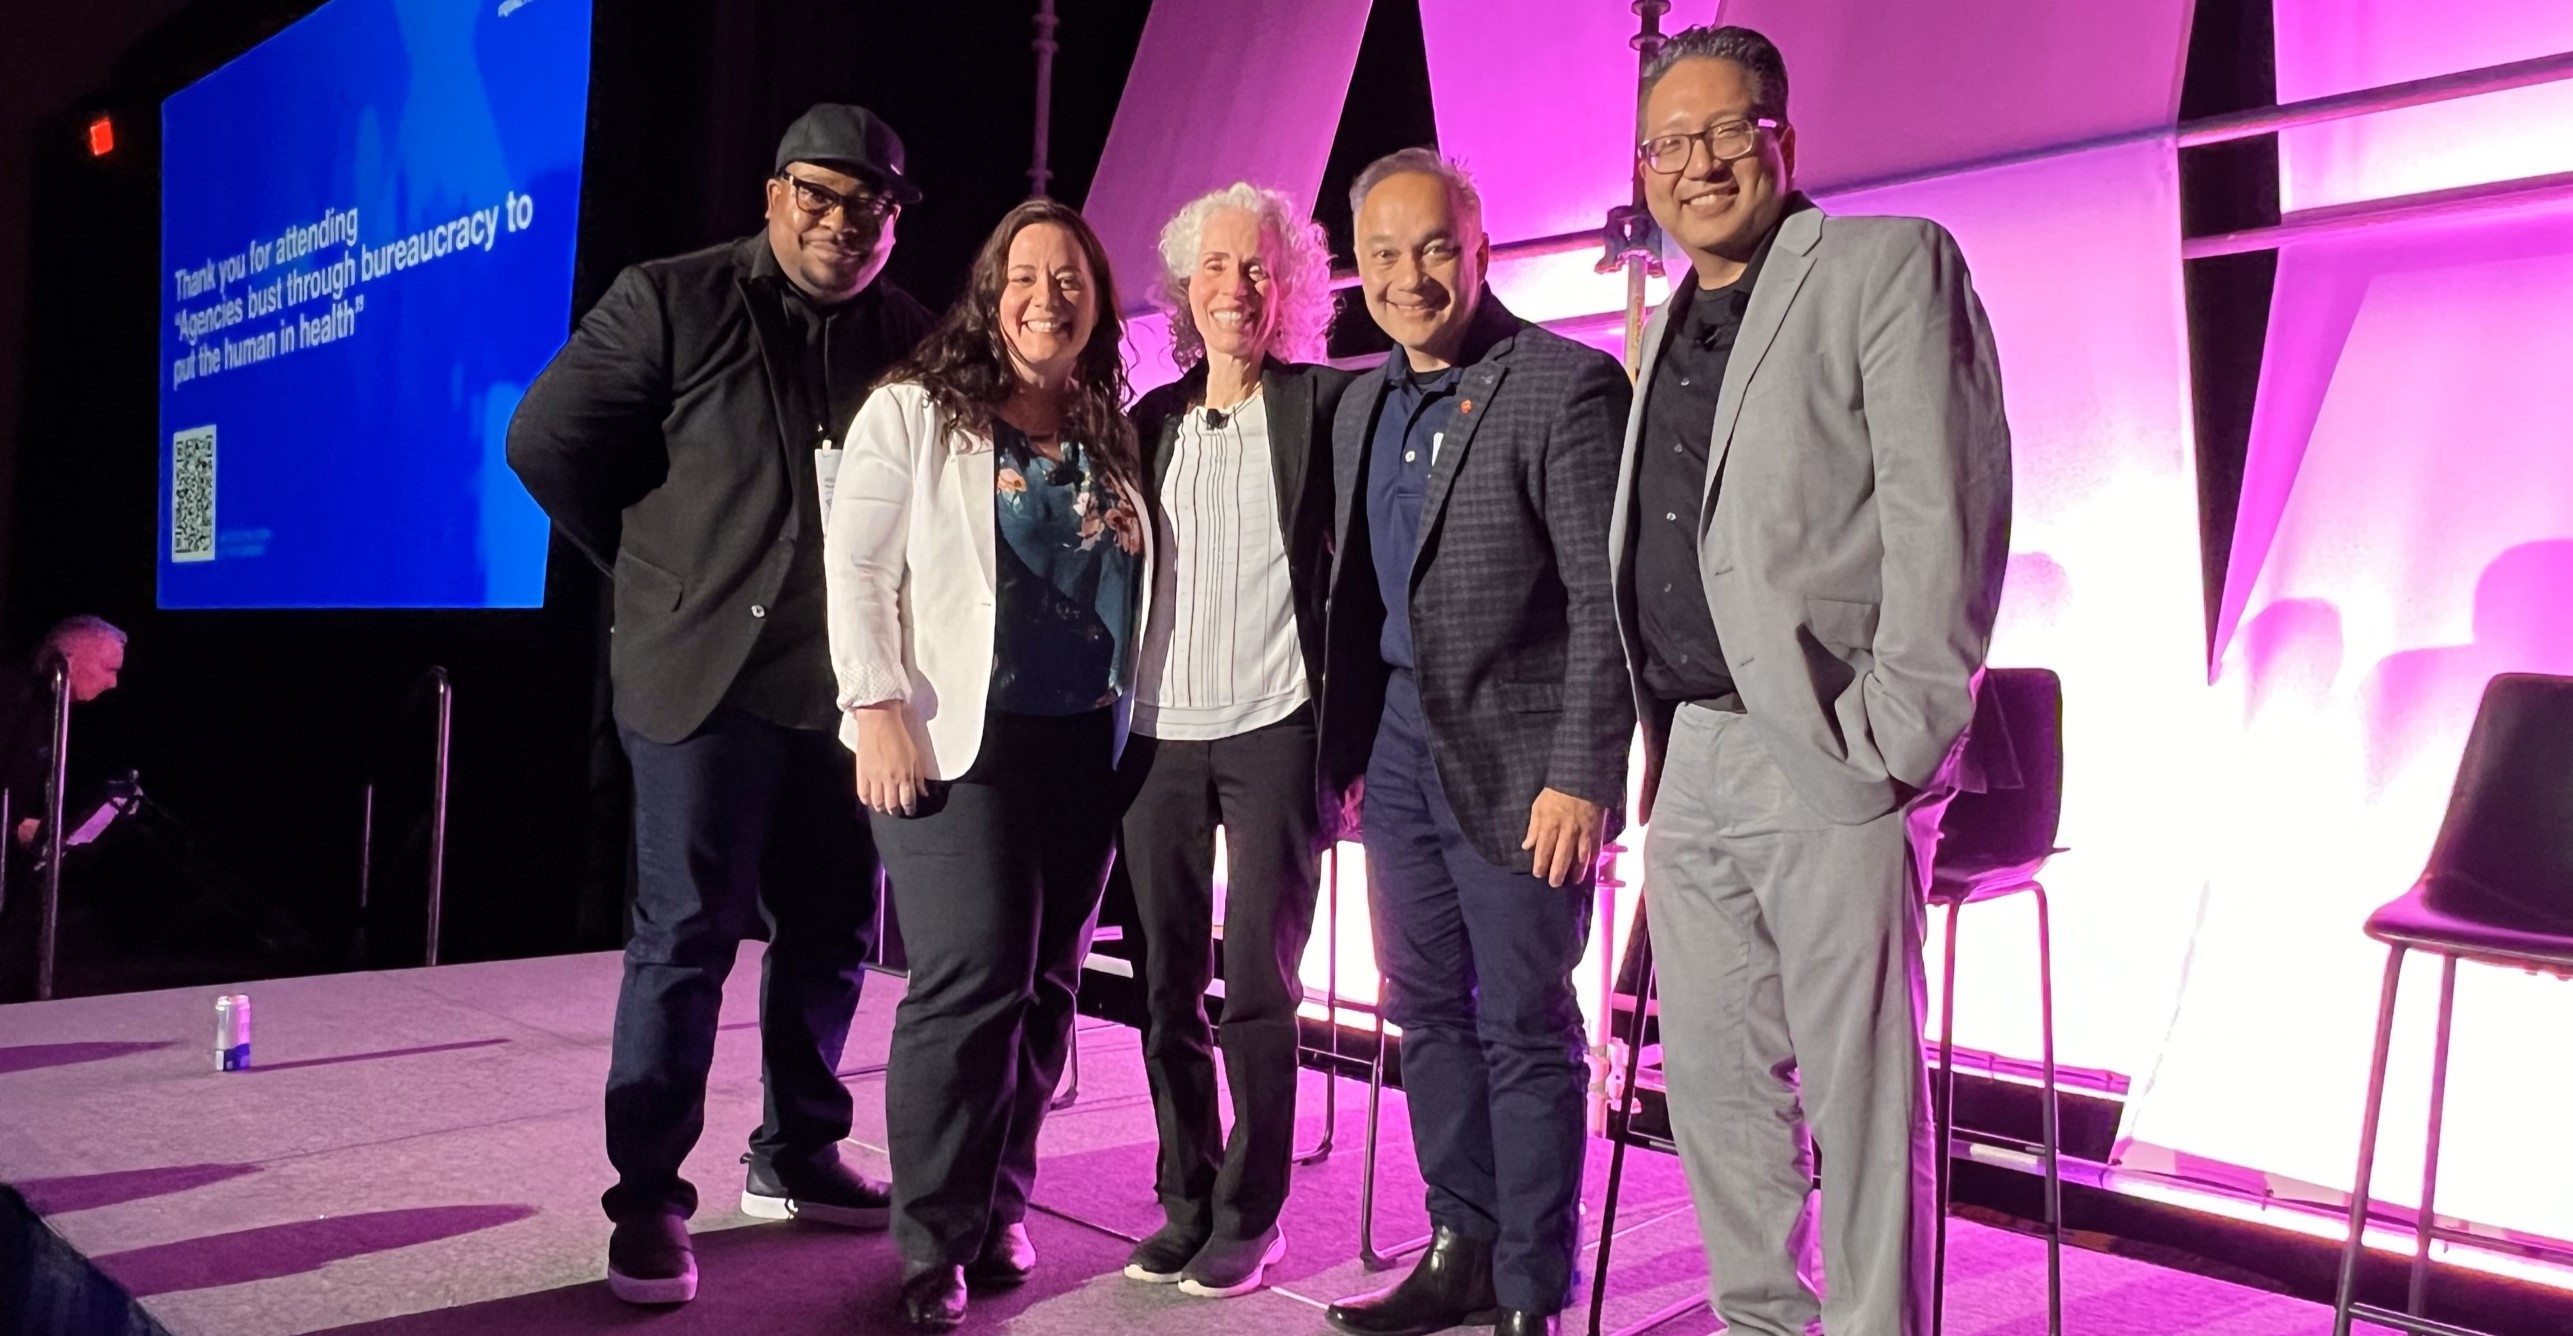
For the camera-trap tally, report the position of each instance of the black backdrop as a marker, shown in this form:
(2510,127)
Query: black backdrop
(256,730)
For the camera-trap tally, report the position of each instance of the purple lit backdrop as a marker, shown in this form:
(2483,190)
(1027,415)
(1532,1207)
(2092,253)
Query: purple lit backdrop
(2414,536)
(2336,46)
(2077,261)
(1197,116)
(2406,524)
(1885,88)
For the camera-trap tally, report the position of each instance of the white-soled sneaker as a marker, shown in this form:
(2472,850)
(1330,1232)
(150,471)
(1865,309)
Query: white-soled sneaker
(651,1261)
(1160,1259)
(1227,1267)
(830,1194)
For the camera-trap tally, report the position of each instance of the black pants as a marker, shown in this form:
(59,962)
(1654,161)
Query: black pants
(1477,962)
(996,878)
(742,814)
(1258,786)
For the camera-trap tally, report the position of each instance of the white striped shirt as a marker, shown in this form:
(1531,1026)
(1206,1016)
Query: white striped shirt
(1220,655)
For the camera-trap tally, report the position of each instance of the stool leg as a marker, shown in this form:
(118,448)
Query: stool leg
(1943,1125)
(2417,1301)
(2356,1244)
(2047,1114)
(1330,1013)
(1369,1255)
(1618,1123)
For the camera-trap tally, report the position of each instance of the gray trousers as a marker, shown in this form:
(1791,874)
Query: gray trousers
(1789,953)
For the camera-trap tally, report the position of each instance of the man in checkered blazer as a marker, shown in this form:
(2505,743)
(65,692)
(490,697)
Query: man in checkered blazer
(1475,695)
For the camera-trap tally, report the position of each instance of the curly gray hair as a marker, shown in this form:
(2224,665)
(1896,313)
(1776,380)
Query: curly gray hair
(1301,274)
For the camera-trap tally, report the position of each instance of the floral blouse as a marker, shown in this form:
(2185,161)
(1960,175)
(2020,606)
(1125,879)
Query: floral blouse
(1070,562)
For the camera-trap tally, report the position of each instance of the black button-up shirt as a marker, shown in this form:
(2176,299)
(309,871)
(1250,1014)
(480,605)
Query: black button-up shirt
(828,358)
(1416,412)
(1683,658)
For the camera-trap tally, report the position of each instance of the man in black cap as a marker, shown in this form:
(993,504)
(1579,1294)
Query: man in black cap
(682,440)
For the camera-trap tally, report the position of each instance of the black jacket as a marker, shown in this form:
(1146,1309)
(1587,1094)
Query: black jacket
(659,442)
(1301,401)
(1521,675)
(26,741)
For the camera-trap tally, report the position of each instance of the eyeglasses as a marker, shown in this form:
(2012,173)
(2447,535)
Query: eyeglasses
(1669,154)
(819,201)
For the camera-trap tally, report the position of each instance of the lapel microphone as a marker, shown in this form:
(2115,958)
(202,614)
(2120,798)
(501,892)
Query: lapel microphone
(1215,418)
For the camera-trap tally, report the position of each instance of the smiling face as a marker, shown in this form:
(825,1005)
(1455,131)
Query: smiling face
(1421,265)
(832,234)
(1232,293)
(1049,302)
(1717,211)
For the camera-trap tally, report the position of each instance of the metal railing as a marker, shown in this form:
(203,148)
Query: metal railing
(49,913)
(436,683)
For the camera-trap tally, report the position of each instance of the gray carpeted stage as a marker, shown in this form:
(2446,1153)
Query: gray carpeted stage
(418,1152)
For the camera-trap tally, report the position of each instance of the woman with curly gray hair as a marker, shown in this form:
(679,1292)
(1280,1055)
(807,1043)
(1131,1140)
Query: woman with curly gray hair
(1237,477)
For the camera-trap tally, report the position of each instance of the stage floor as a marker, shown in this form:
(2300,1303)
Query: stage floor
(418,1151)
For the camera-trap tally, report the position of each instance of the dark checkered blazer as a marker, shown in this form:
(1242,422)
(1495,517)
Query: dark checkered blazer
(1521,677)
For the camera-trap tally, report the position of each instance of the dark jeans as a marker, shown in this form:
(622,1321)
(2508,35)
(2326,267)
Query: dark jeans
(995,879)
(1477,963)
(742,814)
(1258,786)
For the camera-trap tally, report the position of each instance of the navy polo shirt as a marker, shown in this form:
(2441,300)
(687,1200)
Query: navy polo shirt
(1416,411)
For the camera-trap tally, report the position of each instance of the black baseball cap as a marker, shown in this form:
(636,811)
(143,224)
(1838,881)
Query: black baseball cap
(848,139)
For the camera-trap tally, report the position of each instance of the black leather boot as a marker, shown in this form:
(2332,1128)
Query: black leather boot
(1521,1322)
(1451,1286)
(933,1298)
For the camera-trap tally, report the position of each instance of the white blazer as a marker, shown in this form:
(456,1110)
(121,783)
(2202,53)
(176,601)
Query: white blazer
(911,615)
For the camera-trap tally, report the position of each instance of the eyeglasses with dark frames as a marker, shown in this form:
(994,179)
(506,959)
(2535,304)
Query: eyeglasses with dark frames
(861,210)
(1725,141)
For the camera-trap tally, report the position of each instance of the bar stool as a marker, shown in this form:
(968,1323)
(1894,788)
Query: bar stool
(1994,838)
(2498,890)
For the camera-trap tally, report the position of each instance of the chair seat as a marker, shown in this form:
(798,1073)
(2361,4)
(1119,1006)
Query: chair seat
(2437,915)
(1953,882)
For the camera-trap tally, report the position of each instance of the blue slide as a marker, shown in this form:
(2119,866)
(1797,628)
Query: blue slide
(367,228)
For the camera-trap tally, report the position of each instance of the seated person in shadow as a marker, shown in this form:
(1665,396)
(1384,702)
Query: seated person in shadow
(2421,702)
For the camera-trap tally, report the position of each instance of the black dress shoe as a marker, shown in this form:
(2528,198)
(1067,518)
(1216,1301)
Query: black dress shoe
(829,1193)
(1451,1286)
(1521,1322)
(1008,1259)
(934,1299)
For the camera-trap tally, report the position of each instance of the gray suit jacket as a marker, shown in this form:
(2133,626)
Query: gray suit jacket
(1856,514)
(1511,627)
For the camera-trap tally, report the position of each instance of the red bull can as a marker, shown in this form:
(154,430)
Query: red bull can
(232,1032)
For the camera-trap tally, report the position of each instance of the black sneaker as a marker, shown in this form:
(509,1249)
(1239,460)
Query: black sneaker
(1161,1259)
(831,1194)
(650,1260)
(1227,1267)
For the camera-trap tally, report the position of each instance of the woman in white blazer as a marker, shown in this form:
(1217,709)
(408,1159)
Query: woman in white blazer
(987,563)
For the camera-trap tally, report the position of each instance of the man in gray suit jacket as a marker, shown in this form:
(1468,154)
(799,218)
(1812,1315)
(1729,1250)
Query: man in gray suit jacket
(1472,680)
(1812,516)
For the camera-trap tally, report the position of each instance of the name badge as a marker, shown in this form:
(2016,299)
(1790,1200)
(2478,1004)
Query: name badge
(826,475)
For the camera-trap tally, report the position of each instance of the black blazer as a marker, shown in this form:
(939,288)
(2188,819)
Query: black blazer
(1521,675)
(1301,400)
(658,442)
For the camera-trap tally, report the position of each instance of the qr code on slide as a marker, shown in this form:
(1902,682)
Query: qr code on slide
(192,495)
